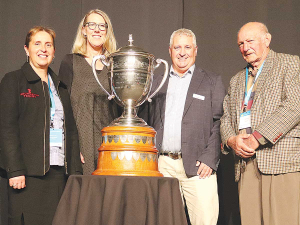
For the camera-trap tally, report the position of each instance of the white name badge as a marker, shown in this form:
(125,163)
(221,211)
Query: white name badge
(201,97)
(56,137)
(245,120)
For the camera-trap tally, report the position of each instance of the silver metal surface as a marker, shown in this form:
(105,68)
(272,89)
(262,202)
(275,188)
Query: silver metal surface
(121,155)
(144,139)
(123,138)
(128,155)
(116,138)
(134,155)
(149,157)
(143,156)
(131,76)
(104,139)
(113,155)
(128,138)
(138,139)
(110,138)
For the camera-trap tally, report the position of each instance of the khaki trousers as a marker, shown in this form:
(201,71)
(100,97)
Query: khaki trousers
(269,199)
(201,195)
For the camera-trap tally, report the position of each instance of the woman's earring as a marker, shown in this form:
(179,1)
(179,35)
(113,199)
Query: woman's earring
(27,58)
(53,59)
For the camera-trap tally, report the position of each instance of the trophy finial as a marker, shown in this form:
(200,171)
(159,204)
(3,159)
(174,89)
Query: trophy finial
(130,40)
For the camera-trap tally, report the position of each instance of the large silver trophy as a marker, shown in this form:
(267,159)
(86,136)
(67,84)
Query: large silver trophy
(130,75)
(128,143)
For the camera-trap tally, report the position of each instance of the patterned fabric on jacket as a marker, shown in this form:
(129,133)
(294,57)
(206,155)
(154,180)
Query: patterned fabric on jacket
(275,114)
(92,110)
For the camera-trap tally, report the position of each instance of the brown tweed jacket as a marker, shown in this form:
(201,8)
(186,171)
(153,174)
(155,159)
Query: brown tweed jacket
(275,113)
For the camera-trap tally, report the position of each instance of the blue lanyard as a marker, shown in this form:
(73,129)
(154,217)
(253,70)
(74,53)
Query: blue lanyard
(52,102)
(248,94)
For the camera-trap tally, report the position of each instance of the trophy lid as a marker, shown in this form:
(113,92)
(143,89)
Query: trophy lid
(130,49)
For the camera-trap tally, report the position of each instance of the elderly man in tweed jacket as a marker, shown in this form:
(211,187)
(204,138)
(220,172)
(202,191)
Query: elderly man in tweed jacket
(261,125)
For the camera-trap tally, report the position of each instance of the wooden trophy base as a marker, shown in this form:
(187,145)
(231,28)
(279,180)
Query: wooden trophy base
(128,151)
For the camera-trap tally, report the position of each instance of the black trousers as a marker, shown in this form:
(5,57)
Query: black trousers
(36,203)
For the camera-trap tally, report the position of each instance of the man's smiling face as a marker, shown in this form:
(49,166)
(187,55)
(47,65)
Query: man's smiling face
(183,53)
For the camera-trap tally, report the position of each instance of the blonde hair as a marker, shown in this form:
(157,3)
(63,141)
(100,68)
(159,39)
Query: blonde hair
(109,45)
(33,31)
(183,31)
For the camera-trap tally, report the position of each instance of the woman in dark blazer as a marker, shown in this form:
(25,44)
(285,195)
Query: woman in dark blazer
(38,136)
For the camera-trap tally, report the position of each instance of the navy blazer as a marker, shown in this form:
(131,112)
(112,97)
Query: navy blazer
(200,136)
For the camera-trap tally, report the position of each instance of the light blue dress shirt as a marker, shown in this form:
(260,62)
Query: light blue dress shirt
(175,101)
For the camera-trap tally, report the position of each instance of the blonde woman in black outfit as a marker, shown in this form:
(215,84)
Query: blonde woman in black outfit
(92,109)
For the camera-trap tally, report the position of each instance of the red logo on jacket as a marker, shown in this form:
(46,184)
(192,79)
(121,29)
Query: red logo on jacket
(29,94)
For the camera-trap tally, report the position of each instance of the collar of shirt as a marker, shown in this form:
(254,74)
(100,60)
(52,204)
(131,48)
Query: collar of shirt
(189,71)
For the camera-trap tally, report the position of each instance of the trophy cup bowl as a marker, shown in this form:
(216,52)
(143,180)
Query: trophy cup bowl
(128,143)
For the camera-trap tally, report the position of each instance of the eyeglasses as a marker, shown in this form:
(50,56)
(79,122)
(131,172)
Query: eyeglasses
(101,26)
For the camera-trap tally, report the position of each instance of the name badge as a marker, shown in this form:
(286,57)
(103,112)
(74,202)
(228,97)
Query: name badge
(201,97)
(245,120)
(56,137)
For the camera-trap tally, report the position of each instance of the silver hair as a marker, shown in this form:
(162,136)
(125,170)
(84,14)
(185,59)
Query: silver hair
(183,31)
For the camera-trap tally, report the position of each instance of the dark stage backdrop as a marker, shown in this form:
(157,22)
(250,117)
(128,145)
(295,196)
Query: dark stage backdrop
(151,22)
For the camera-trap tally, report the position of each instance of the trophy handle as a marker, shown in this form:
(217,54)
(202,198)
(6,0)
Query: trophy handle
(102,58)
(159,61)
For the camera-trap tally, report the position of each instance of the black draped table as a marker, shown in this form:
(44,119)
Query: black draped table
(123,200)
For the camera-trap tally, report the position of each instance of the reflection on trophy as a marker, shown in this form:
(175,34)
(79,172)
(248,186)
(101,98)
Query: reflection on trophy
(128,143)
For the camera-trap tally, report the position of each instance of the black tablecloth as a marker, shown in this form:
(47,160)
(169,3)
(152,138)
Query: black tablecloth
(124,200)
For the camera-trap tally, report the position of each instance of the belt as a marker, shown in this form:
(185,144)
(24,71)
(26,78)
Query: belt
(173,155)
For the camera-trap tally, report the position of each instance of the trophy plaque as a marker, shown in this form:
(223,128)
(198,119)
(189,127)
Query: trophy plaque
(128,143)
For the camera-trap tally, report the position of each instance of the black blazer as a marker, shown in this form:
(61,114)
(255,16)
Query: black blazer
(24,124)
(200,136)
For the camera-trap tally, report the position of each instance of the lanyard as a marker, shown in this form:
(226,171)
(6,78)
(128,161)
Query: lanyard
(248,94)
(52,102)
